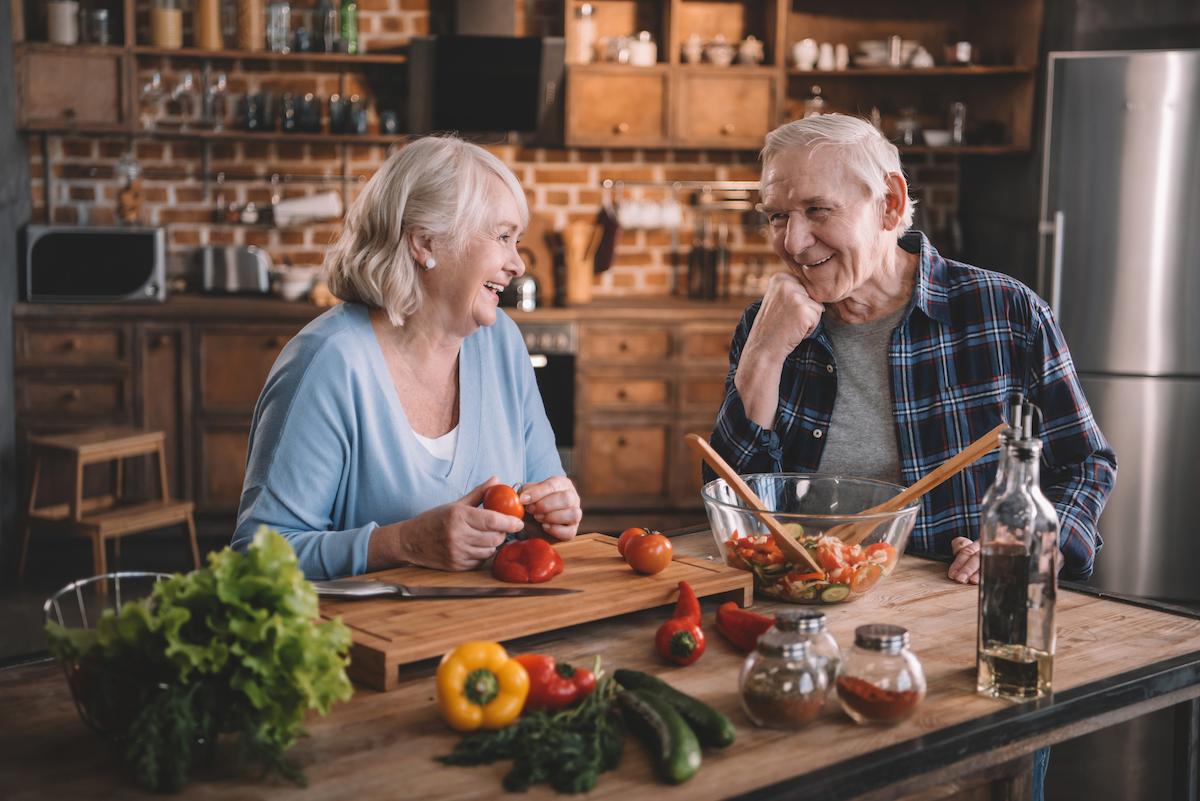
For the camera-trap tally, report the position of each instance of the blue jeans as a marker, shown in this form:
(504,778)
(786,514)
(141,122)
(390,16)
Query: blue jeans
(1041,761)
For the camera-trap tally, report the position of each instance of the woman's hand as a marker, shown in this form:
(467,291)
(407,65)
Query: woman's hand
(554,504)
(965,567)
(455,536)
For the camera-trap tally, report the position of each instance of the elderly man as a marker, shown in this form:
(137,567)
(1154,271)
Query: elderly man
(874,356)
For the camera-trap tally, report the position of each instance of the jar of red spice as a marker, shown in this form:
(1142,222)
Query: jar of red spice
(881,681)
(784,682)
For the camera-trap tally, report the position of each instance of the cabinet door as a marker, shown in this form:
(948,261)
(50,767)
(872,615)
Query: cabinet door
(624,464)
(61,88)
(724,108)
(221,466)
(165,403)
(233,366)
(616,106)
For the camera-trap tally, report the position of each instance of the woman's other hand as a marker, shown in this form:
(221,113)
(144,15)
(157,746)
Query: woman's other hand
(455,536)
(554,504)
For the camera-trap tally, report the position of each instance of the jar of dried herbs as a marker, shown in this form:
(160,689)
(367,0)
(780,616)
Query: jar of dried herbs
(784,682)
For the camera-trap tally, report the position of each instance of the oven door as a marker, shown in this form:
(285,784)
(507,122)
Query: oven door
(556,381)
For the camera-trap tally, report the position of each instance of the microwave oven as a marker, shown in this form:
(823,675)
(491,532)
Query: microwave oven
(94,264)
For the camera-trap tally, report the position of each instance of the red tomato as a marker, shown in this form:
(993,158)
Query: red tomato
(865,577)
(829,556)
(503,499)
(630,534)
(883,554)
(649,554)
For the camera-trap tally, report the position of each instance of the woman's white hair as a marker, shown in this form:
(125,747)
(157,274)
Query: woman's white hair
(864,151)
(437,186)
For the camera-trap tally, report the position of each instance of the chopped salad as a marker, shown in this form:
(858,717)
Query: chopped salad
(846,570)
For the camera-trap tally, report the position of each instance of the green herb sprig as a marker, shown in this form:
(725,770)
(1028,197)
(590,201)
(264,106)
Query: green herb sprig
(567,749)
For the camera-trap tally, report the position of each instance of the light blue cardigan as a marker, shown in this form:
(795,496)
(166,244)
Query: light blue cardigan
(332,455)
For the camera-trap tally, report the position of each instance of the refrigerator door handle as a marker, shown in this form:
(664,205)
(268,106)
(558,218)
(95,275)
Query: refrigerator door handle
(1054,229)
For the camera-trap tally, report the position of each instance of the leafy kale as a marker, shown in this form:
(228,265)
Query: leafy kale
(231,648)
(568,749)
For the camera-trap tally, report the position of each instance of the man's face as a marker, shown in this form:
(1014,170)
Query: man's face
(825,225)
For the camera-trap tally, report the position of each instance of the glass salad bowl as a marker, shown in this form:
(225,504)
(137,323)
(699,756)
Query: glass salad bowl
(855,553)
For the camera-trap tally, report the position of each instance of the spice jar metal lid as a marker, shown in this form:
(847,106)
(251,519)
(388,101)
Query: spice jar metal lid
(881,637)
(805,621)
(783,639)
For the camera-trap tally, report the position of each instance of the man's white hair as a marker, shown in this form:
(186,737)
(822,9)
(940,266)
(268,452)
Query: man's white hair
(862,149)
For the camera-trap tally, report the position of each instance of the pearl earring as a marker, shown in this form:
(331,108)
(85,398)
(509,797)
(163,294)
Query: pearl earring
(431,263)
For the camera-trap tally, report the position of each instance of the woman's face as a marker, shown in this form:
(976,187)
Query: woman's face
(824,223)
(466,285)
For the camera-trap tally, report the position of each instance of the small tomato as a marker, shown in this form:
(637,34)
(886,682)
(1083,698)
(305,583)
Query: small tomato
(503,499)
(649,554)
(630,534)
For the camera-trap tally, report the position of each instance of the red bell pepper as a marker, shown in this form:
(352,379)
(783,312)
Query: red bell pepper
(681,639)
(527,562)
(741,626)
(554,685)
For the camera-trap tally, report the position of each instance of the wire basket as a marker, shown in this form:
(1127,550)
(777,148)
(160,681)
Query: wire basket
(80,604)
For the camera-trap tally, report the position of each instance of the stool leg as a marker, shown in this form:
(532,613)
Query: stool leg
(116,553)
(162,473)
(191,533)
(99,562)
(29,510)
(118,481)
(77,495)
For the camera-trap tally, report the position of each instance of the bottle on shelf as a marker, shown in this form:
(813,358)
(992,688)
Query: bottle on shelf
(166,24)
(815,103)
(279,26)
(251,25)
(349,26)
(62,22)
(585,34)
(206,23)
(1018,581)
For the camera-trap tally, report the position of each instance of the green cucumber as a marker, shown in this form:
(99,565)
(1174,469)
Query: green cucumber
(674,745)
(834,593)
(713,728)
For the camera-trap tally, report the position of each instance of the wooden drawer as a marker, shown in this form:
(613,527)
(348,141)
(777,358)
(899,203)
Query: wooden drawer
(725,109)
(93,399)
(234,365)
(222,467)
(685,463)
(625,343)
(625,462)
(706,343)
(604,392)
(616,106)
(702,393)
(76,346)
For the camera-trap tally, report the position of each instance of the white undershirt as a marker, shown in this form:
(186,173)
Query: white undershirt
(443,446)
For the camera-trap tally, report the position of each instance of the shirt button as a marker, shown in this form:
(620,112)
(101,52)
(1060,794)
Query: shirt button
(829,368)
(818,433)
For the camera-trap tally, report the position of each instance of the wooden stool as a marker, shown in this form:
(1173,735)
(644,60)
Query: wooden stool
(104,518)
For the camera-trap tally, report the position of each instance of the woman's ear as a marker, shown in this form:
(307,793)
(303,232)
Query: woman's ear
(420,245)
(895,200)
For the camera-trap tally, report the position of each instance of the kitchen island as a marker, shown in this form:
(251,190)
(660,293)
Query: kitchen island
(1116,660)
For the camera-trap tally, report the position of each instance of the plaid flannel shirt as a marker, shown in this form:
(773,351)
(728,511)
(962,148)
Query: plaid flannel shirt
(969,339)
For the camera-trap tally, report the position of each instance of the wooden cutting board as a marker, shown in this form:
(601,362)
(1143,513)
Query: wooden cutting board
(390,633)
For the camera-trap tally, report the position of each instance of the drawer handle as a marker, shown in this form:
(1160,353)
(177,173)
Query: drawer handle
(727,129)
(623,346)
(621,443)
(622,394)
(70,396)
(161,341)
(621,128)
(71,344)
(274,343)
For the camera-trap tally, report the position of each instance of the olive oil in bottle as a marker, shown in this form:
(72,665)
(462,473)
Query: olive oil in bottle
(1018,580)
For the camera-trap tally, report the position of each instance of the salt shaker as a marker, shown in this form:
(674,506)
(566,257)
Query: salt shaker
(881,680)
(784,682)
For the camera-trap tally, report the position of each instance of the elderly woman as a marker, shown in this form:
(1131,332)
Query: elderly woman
(385,419)
(874,356)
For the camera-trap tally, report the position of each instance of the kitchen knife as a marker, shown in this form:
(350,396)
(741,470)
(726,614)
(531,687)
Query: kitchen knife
(350,589)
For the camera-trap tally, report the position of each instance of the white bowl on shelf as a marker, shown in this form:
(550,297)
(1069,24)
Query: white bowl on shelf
(937,138)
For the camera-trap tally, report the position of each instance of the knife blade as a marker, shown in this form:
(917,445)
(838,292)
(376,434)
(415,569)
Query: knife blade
(353,588)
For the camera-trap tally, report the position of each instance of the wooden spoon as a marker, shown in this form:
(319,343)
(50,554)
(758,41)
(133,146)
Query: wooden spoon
(854,533)
(792,549)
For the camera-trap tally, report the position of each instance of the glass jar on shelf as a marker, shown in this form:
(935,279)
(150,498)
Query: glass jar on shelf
(814,104)
(166,24)
(62,22)
(785,681)
(279,26)
(881,680)
(908,129)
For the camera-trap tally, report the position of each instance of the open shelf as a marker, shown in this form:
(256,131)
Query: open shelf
(912,72)
(228,135)
(265,55)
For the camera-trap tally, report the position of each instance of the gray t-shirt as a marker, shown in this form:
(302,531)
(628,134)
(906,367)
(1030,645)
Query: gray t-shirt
(861,440)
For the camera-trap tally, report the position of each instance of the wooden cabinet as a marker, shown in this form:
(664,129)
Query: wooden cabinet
(616,107)
(725,109)
(65,87)
(233,364)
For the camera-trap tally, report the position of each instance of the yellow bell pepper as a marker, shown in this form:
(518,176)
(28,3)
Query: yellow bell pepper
(479,686)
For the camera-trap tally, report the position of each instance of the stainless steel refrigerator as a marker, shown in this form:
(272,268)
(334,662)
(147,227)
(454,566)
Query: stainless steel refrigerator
(1120,265)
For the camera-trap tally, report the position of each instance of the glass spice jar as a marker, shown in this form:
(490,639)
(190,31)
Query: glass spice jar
(784,682)
(881,681)
(810,625)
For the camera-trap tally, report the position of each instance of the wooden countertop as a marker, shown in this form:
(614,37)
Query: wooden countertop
(1115,661)
(269,309)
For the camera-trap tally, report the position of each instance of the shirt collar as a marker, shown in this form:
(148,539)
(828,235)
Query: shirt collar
(930,294)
